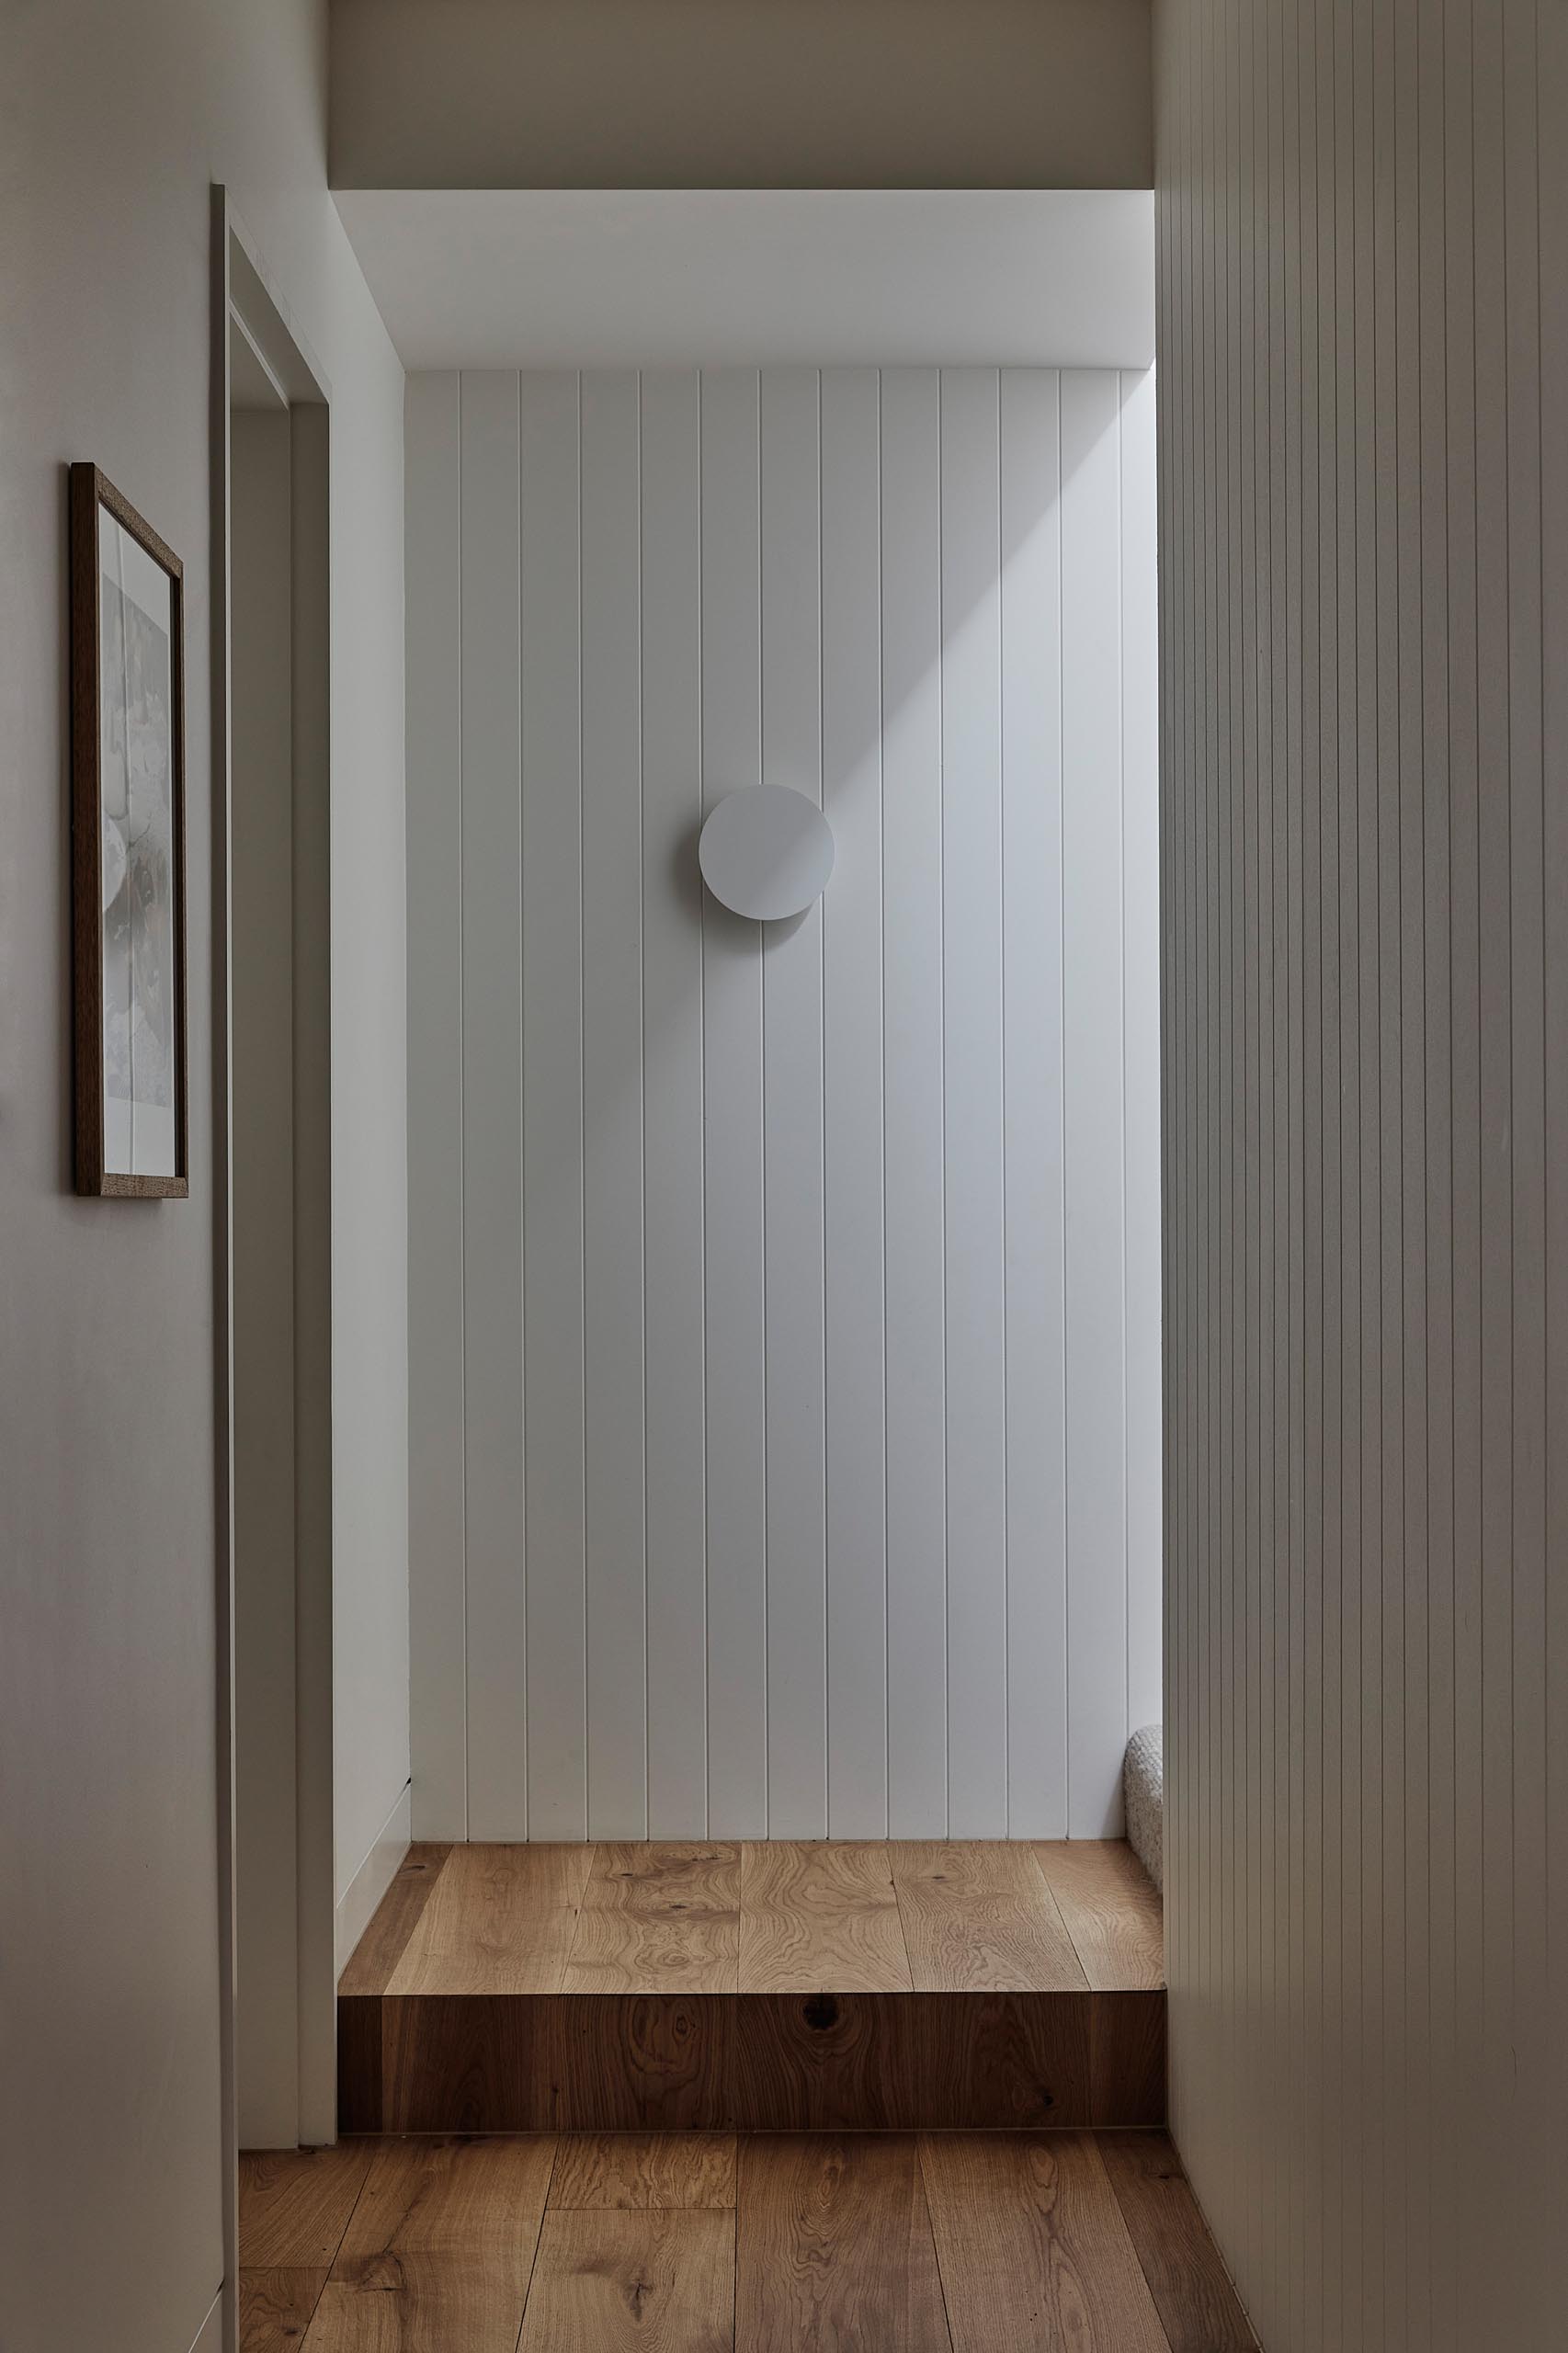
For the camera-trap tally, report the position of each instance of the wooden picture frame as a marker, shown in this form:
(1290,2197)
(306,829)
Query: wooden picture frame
(128,855)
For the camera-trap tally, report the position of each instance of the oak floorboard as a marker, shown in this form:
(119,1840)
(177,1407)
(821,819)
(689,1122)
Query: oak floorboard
(819,1918)
(500,1919)
(295,2203)
(431,2303)
(1197,2306)
(658,1919)
(276,2306)
(439,2249)
(834,2248)
(1033,2250)
(371,1964)
(1112,1910)
(979,1917)
(656,2171)
(623,2281)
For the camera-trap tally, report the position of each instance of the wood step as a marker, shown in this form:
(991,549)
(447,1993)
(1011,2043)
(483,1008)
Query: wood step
(776,1986)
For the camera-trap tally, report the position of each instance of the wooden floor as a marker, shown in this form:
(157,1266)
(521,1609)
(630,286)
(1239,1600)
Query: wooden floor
(783,1987)
(784,1917)
(967,2243)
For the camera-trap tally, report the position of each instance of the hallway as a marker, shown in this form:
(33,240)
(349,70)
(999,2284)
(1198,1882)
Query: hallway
(784,1177)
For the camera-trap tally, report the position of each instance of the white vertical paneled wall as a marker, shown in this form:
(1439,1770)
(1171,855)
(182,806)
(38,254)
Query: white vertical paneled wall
(786,1304)
(1363,321)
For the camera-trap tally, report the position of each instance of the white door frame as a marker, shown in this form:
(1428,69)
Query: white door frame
(243,291)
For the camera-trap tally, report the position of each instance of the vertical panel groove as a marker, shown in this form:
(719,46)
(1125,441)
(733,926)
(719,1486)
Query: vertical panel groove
(1001,1024)
(882,1100)
(675,1403)
(942,1070)
(1061,952)
(762,1158)
(582,1149)
(437,1536)
(491,1118)
(1121,958)
(702,1027)
(614,1105)
(822,1066)
(462,1118)
(582,1122)
(643,1064)
(555,1421)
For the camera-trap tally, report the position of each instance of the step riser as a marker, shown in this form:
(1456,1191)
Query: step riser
(479,2062)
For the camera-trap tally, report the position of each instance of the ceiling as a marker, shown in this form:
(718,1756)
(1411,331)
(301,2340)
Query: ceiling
(741,94)
(499,278)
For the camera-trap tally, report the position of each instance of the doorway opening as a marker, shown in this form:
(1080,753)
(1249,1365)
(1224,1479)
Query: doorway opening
(271,575)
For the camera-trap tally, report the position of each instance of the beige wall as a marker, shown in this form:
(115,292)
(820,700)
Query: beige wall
(741,94)
(1363,344)
(116,119)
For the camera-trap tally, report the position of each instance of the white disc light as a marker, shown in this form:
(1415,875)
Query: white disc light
(765,852)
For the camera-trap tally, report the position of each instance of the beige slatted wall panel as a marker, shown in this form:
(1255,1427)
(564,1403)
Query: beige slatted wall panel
(1363,318)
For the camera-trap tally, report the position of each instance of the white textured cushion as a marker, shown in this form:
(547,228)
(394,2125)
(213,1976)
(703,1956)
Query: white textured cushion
(1143,1787)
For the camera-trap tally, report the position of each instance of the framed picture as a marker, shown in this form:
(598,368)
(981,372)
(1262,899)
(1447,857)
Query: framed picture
(128,845)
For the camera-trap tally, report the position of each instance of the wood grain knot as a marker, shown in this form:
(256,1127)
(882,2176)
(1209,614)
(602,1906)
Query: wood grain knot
(381,2273)
(821,2013)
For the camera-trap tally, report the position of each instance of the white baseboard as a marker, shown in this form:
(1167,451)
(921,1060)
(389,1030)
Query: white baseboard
(374,1876)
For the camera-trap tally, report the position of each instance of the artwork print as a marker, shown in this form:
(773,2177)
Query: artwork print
(136,858)
(128,848)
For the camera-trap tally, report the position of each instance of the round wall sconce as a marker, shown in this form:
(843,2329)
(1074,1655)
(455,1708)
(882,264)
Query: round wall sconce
(765,852)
